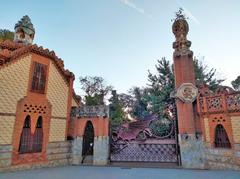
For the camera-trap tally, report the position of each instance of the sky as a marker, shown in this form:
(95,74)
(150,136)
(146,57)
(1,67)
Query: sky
(120,40)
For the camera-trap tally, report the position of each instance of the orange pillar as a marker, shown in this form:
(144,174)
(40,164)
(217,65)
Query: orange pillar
(191,147)
(184,75)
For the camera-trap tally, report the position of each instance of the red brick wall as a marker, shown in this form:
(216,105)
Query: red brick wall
(184,73)
(100,126)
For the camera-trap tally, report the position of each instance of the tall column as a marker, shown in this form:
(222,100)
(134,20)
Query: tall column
(191,147)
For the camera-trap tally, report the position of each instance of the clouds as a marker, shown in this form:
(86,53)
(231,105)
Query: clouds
(130,4)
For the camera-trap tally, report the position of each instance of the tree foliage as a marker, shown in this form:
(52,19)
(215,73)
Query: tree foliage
(95,89)
(236,83)
(205,75)
(6,35)
(140,104)
(116,112)
(155,97)
(161,84)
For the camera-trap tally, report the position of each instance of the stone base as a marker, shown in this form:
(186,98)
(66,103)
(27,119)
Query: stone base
(5,156)
(77,151)
(223,159)
(192,151)
(58,154)
(101,150)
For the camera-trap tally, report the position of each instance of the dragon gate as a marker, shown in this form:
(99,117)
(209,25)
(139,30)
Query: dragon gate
(148,140)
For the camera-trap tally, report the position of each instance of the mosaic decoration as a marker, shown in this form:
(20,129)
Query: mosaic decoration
(24,31)
(90,111)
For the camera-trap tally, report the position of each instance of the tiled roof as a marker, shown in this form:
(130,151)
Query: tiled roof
(10,51)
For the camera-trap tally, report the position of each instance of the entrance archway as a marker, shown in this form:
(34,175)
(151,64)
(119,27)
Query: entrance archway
(88,143)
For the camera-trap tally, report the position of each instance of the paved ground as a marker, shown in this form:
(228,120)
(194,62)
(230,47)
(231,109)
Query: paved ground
(85,172)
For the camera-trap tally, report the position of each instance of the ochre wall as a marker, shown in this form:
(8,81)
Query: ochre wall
(13,87)
(6,129)
(207,133)
(57,130)
(235,120)
(57,94)
(13,84)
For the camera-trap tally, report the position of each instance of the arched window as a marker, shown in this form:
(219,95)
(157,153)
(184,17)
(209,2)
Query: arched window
(38,136)
(221,137)
(31,143)
(25,141)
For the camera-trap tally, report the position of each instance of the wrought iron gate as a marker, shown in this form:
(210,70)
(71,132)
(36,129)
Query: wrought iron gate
(142,141)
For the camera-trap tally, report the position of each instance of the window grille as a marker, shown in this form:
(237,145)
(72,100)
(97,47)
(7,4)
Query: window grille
(38,136)
(39,78)
(221,137)
(25,137)
(31,143)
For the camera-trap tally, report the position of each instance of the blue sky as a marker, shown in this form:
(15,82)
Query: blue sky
(121,39)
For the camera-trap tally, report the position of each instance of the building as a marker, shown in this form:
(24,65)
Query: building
(35,102)
(41,123)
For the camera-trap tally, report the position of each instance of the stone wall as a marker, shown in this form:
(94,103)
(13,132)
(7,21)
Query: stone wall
(222,158)
(5,156)
(101,150)
(191,151)
(58,154)
(77,150)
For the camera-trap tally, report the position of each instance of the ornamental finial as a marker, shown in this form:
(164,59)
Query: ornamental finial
(180,15)
(180,30)
(24,31)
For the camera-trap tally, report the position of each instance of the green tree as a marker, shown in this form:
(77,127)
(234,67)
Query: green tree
(236,83)
(205,75)
(140,105)
(162,83)
(116,112)
(95,89)
(6,35)
(160,87)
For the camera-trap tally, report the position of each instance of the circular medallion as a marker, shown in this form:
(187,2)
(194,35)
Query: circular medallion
(187,92)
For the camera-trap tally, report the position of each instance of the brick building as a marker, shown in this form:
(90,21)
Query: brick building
(208,122)
(35,102)
(37,116)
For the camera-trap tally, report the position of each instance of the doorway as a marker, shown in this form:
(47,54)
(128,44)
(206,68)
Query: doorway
(88,143)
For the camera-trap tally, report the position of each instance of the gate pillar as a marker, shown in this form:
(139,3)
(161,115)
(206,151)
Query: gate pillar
(101,150)
(77,150)
(191,145)
(98,116)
